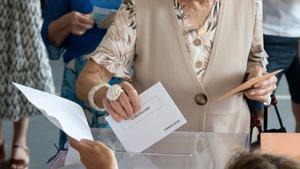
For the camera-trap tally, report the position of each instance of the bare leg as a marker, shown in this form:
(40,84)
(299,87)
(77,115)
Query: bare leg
(20,131)
(20,139)
(2,145)
(1,133)
(296,110)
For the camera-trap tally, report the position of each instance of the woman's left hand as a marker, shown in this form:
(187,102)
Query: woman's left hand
(261,91)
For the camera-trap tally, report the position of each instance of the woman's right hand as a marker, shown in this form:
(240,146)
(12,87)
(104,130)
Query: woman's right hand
(78,23)
(94,154)
(126,106)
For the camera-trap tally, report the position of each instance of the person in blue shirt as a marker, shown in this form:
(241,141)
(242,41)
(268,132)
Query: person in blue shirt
(69,31)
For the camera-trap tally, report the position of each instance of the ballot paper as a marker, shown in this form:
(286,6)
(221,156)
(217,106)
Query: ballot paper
(159,116)
(64,114)
(99,14)
(249,84)
(103,17)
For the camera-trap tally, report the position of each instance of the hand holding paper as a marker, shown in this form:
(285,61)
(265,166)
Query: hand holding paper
(159,116)
(249,84)
(64,114)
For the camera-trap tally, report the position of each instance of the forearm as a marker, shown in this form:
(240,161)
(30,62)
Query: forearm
(257,56)
(91,75)
(58,31)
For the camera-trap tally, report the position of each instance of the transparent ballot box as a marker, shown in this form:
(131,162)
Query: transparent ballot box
(179,150)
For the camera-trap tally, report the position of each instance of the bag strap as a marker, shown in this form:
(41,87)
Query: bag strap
(274,104)
(266,116)
(256,122)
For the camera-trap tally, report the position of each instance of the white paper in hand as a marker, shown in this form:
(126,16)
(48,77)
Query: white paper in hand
(159,116)
(103,17)
(64,114)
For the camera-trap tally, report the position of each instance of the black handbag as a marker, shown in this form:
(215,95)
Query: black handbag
(256,123)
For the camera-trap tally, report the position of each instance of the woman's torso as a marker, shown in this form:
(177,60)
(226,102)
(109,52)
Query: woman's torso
(163,56)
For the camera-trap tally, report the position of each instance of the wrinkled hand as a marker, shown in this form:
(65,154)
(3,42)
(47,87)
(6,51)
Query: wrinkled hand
(126,106)
(262,90)
(78,23)
(94,154)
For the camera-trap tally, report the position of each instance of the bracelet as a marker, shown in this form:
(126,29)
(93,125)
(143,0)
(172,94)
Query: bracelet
(92,93)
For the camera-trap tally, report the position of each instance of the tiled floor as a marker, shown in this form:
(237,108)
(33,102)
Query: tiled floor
(43,135)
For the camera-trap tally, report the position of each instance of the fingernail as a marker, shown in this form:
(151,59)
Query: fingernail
(252,93)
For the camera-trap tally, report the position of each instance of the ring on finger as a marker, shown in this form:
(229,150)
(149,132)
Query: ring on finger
(114,92)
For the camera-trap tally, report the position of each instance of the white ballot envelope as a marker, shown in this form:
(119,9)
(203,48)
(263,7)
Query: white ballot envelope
(64,114)
(103,17)
(159,116)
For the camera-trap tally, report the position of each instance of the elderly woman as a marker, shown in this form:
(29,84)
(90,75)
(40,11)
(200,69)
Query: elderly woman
(198,49)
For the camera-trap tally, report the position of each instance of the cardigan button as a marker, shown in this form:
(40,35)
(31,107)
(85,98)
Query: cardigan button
(201,99)
(197,42)
(198,64)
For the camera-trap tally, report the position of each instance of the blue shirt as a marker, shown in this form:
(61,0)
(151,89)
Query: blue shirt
(74,46)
